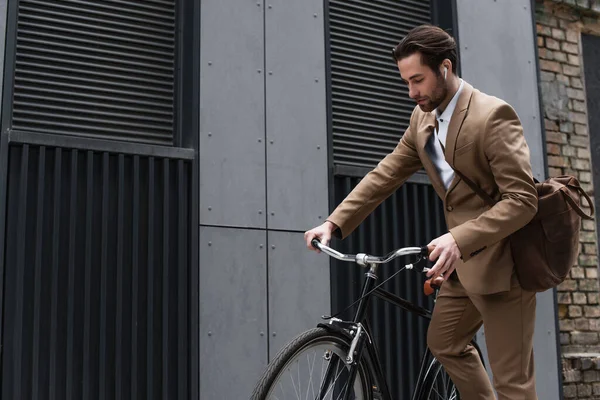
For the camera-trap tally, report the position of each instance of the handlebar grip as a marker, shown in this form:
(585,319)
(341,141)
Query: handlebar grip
(315,243)
(432,284)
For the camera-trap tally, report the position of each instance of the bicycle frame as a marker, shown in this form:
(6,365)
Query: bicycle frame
(361,337)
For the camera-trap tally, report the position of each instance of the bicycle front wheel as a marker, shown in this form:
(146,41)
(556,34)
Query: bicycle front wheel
(437,384)
(312,366)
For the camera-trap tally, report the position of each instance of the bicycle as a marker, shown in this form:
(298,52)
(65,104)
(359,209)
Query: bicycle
(346,351)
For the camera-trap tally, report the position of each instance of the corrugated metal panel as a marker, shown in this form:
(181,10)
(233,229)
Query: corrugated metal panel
(370,104)
(101,69)
(412,216)
(97,273)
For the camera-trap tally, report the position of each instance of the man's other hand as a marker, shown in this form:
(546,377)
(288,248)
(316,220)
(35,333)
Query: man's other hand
(446,253)
(321,232)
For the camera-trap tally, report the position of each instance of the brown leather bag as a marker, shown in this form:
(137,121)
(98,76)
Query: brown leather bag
(546,248)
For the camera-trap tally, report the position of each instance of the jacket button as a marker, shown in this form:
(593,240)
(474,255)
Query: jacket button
(449,208)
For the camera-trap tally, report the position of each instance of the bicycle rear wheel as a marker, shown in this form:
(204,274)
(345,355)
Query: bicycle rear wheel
(437,384)
(312,366)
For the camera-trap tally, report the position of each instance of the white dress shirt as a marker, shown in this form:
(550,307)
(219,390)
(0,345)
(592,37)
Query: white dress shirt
(434,149)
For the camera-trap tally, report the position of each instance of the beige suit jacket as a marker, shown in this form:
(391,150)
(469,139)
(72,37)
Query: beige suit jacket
(485,142)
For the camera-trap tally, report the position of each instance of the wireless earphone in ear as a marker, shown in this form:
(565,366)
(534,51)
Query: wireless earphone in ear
(445,72)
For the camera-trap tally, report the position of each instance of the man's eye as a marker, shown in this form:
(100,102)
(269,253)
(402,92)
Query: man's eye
(418,81)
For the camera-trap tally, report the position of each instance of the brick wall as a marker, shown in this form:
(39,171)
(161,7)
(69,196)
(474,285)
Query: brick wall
(559,24)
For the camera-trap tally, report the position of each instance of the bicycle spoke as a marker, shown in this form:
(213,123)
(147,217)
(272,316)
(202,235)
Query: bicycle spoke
(299,384)
(294,386)
(334,380)
(439,385)
(311,367)
(343,391)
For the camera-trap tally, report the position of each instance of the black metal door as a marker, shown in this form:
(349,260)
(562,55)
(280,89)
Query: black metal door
(591,60)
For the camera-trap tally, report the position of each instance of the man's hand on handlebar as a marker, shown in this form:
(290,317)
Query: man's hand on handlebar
(446,253)
(322,233)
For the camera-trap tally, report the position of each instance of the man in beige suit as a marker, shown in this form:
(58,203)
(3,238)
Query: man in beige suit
(457,126)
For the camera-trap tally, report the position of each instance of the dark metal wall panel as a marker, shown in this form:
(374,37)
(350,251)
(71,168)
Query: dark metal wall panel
(97,274)
(590,45)
(96,69)
(233,311)
(513,79)
(370,104)
(232,114)
(299,288)
(412,216)
(297,180)
(3,24)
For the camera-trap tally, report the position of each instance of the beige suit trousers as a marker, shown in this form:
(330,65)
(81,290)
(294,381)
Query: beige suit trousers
(508,319)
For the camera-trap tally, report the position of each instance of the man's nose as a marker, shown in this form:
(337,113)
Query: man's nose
(412,93)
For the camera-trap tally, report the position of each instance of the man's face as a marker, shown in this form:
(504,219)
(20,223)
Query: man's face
(425,86)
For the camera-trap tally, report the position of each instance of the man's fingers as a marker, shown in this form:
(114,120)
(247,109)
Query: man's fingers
(435,253)
(438,267)
(309,236)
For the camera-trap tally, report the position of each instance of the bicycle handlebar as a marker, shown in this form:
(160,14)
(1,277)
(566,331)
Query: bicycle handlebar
(364,259)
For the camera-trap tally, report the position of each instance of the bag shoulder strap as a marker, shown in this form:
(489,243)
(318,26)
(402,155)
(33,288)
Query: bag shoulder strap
(486,197)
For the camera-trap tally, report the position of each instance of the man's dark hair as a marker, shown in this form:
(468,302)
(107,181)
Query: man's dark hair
(434,44)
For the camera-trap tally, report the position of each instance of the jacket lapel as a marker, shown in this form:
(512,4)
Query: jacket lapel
(456,121)
(423,137)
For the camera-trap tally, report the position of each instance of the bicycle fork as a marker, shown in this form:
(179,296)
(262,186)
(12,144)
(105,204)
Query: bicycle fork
(337,366)
(359,335)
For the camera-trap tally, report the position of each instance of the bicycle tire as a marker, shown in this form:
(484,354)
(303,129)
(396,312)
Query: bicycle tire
(295,348)
(437,384)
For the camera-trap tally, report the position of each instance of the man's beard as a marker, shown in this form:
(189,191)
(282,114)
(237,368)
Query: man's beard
(437,97)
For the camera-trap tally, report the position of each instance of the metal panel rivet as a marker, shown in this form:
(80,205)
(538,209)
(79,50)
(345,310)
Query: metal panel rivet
(209,208)
(210,243)
(315,15)
(316,79)
(274,333)
(466,47)
(319,217)
(210,63)
(262,334)
(259,71)
(260,211)
(271,141)
(209,333)
(318,147)
(260,245)
(209,134)
(259,140)
(529,61)
(270,6)
(270,72)
(258,4)
(272,213)
(273,247)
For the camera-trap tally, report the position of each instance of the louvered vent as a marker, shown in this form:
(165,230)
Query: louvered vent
(370,104)
(101,69)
